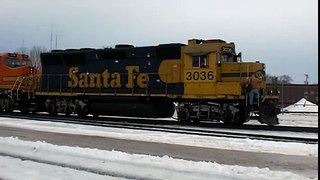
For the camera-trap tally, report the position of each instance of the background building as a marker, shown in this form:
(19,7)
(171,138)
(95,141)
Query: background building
(291,93)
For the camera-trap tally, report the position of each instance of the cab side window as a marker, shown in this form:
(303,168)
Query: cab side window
(200,61)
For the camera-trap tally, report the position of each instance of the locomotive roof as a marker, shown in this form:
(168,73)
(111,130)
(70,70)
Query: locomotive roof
(14,54)
(162,51)
(117,47)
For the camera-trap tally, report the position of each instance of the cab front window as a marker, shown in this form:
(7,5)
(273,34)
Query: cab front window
(226,58)
(26,63)
(12,63)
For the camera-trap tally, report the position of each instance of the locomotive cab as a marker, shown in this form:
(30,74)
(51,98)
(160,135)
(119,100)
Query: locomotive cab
(213,76)
(204,62)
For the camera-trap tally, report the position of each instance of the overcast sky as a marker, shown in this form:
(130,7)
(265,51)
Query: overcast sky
(281,33)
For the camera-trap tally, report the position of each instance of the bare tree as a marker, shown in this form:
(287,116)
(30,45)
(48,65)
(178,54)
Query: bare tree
(35,55)
(268,78)
(284,79)
(23,50)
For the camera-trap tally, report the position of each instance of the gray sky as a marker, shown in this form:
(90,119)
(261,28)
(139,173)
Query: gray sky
(281,33)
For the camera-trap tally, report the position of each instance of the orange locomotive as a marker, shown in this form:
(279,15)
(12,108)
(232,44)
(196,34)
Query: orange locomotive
(17,84)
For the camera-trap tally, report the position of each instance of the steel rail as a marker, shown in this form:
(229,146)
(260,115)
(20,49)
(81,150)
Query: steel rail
(171,128)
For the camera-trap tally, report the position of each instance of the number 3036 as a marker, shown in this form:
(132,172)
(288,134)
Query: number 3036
(202,75)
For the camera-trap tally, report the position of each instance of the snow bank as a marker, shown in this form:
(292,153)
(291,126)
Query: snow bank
(288,148)
(119,164)
(302,106)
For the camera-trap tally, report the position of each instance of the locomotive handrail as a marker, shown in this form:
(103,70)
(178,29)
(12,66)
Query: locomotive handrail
(14,85)
(166,84)
(29,87)
(19,83)
(36,85)
(60,76)
(32,86)
(20,86)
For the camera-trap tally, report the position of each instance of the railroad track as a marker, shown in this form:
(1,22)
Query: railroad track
(57,163)
(174,127)
(161,122)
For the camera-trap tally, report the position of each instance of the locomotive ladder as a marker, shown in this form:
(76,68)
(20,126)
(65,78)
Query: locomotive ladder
(18,84)
(25,105)
(14,86)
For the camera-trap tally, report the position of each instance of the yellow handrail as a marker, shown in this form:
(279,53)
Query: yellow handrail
(14,85)
(20,86)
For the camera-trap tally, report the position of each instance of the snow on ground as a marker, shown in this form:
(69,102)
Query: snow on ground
(71,162)
(170,138)
(299,119)
(296,119)
(109,164)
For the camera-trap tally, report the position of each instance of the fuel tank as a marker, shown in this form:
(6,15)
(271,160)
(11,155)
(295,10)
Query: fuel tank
(133,109)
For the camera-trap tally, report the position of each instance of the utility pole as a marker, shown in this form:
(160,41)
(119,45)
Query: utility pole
(51,40)
(56,40)
(281,94)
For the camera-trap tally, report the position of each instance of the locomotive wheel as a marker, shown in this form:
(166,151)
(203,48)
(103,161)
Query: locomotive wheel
(227,117)
(195,120)
(6,105)
(9,109)
(185,121)
(269,114)
(51,110)
(183,117)
(239,118)
(95,115)
(83,112)
(271,121)
(67,113)
(24,108)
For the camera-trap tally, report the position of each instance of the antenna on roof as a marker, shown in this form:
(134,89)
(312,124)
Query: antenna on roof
(307,77)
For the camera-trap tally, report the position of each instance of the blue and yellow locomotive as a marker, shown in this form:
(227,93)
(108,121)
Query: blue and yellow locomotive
(201,81)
